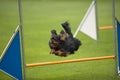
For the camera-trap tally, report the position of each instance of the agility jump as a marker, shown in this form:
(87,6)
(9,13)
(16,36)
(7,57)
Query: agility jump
(74,60)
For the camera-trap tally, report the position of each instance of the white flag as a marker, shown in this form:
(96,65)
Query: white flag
(89,24)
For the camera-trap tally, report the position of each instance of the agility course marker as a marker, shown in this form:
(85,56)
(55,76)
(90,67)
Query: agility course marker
(10,60)
(118,35)
(88,24)
(70,61)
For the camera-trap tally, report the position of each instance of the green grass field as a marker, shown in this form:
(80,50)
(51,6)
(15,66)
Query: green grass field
(39,18)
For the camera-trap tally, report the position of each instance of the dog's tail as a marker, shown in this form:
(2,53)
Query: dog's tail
(67,28)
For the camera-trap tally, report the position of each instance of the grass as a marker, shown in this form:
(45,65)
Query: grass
(39,17)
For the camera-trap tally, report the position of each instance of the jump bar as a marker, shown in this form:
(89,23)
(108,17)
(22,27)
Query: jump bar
(70,61)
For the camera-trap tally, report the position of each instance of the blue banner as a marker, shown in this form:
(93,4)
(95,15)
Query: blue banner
(118,36)
(10,62)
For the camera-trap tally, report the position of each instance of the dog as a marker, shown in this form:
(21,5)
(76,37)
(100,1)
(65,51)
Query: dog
(63,44)
(56,43)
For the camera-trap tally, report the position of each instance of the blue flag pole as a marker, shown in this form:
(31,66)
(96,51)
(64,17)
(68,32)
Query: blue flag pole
(115,36)
(22,38)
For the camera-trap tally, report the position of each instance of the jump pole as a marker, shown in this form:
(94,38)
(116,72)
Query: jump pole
(106,28)
(22,38)
(70,61)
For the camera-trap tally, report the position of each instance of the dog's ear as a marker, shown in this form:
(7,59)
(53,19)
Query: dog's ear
(53,32)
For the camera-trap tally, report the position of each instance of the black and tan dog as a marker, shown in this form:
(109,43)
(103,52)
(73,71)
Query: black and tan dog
(64,43)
